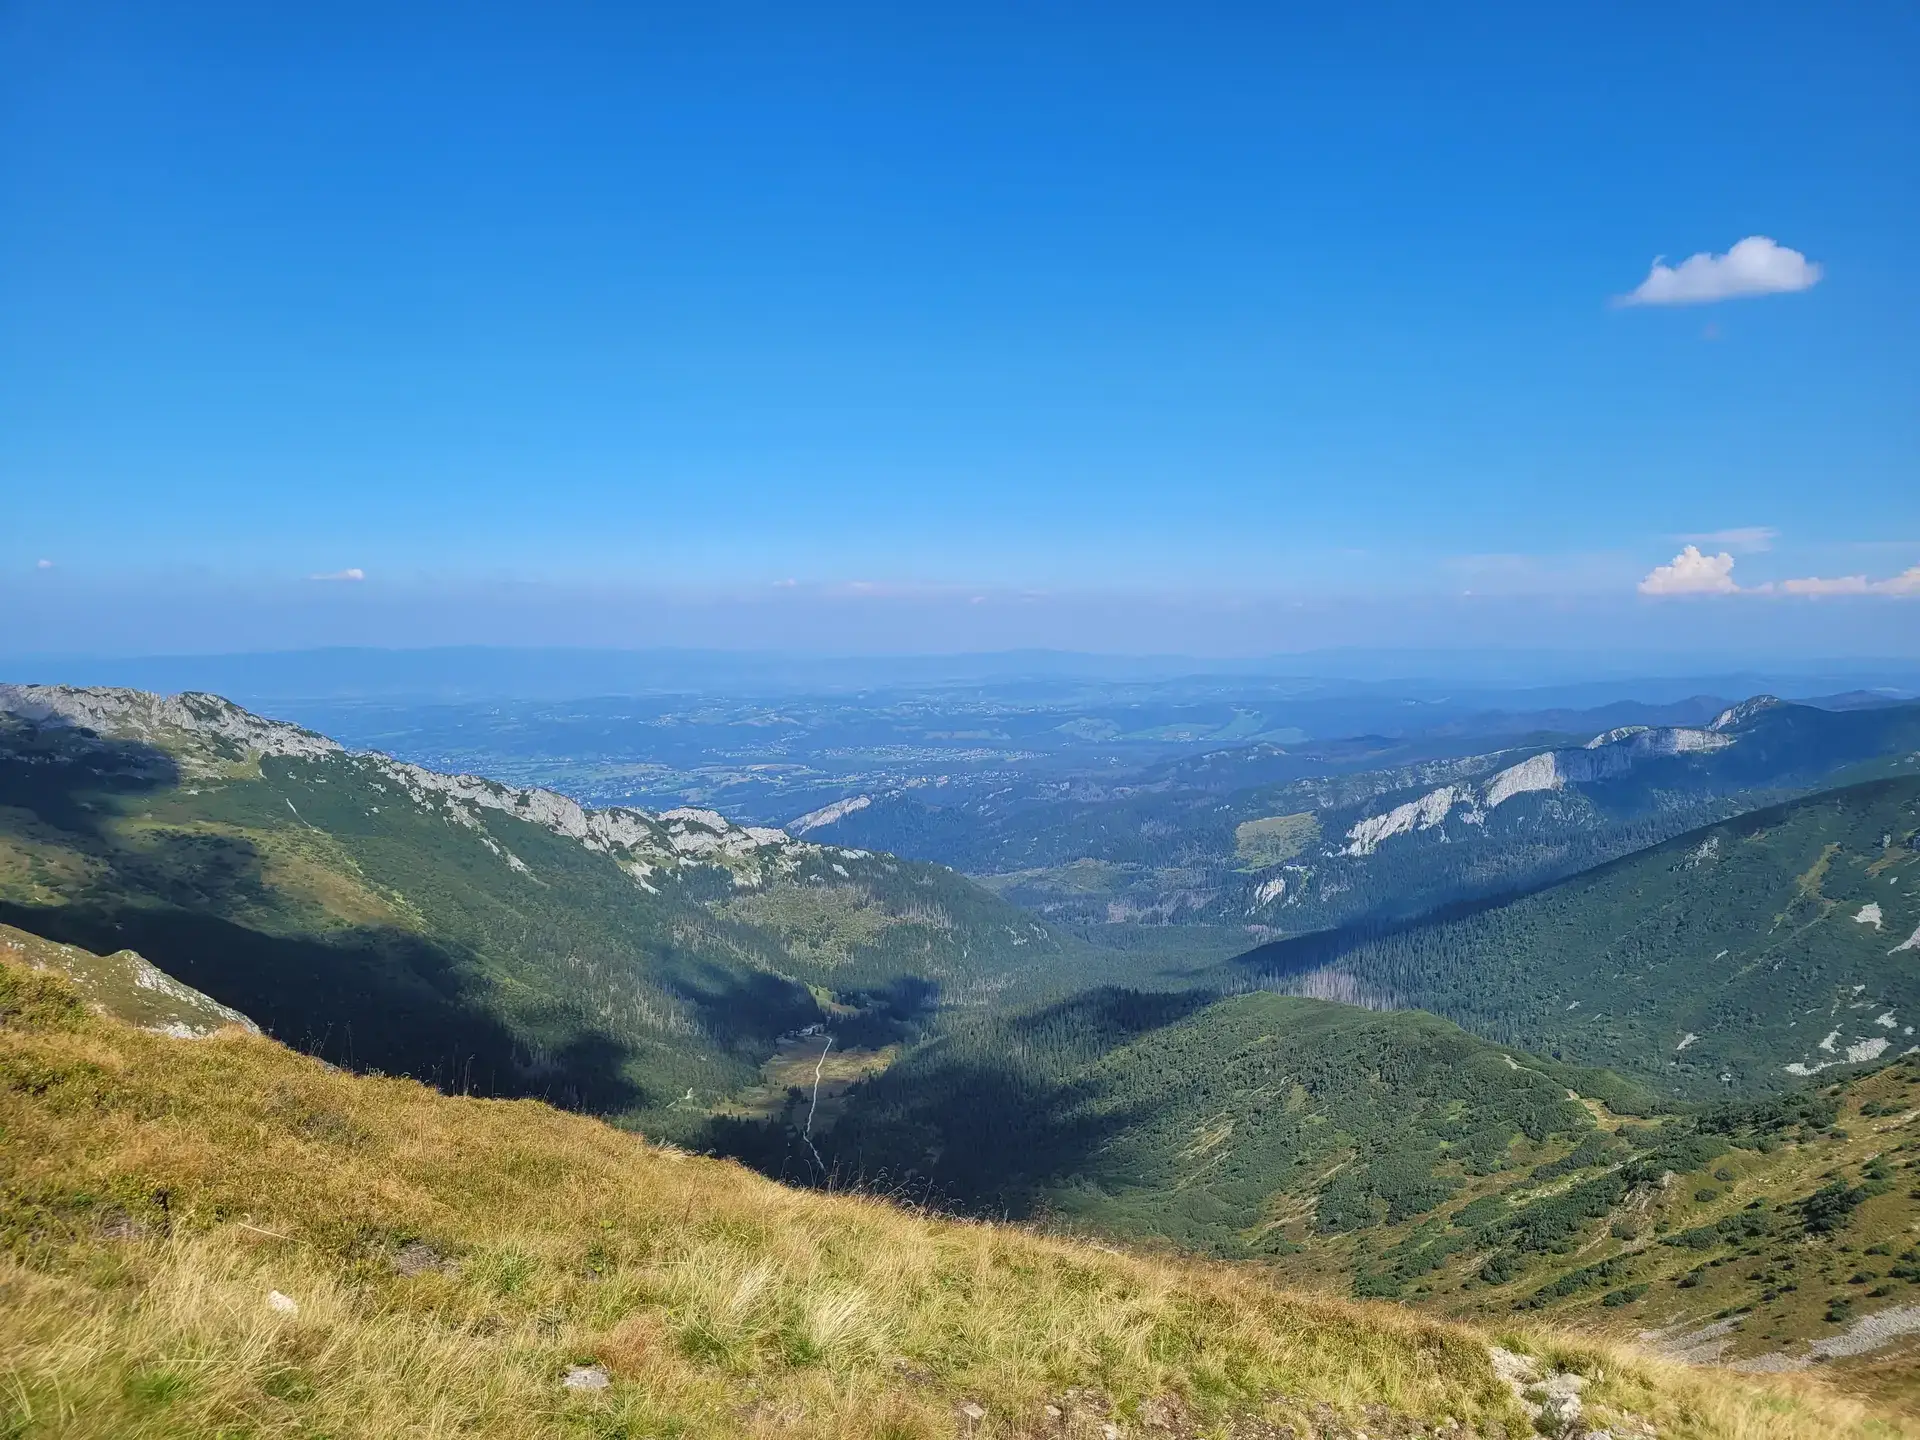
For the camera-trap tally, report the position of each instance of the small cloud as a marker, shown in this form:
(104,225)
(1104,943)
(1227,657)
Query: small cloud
(1816,585)
(1755,266)
(1907,583)
(1742,539)
(43,564)
(786,584)
(356,573)
(1692,573)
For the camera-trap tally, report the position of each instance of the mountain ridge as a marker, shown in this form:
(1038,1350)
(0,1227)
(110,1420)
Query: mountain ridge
(642,840)
(1393,842)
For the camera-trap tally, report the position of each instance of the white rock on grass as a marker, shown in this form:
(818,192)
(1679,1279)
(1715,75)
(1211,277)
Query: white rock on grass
(282,1304)
(1553,1402)
(1560,1401)
(587,1377)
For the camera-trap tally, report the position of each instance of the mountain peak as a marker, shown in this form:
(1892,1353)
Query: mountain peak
(122,714)
(1739,714)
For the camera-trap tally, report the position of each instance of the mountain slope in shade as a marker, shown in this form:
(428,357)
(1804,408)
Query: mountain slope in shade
(454,928)
(1212,1123)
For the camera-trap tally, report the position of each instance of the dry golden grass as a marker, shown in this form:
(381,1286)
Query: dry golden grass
(156,1191)
(1712,1400)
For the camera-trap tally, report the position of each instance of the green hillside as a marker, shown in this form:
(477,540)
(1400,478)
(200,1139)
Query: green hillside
(1744,956)
(219,1237)
(451,928)
(1394,1156)
(1214,1124)
(1771,1235)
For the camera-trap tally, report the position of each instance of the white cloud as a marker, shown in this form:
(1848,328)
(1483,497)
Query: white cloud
(43,564)
(1755,266)
(1692,573)
(356,573)
(1905,583)
(1742,539)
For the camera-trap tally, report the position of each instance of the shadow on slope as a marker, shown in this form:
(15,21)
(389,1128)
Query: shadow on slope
(60,774)
(367,997)
(980,1119)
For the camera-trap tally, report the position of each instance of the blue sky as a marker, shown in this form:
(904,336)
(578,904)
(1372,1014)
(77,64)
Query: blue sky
(607,322)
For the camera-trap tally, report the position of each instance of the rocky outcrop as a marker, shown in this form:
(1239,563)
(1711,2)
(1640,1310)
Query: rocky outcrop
(1608,756)
(126,987)
(163,720)
(828,814)
(1735,716)
(1422,814)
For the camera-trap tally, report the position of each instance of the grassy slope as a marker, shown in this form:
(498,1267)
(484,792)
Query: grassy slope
(1206,1165)
(1393,1155)
(1710,1232)
(447,1260)
(1754,937)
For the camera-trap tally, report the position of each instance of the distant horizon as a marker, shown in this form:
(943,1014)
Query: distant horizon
(67,614)
(1687,659)
(580,672)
